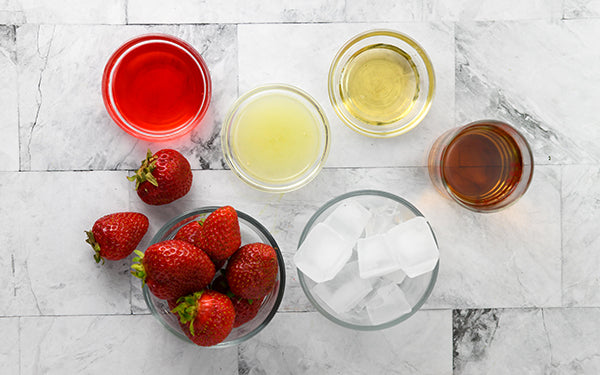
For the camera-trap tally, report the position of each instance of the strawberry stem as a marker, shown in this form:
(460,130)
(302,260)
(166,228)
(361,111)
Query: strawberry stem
(138,268)
(144,173)
(187,309)
(95,245)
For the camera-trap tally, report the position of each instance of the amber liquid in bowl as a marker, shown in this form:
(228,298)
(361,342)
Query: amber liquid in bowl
(484,166)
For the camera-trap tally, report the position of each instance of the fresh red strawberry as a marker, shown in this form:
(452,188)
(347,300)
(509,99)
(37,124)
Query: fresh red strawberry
(251,271)
(221,234)
(190,232)
(245,309)
(115,236)
(163,177)
(173,269)
(206,317)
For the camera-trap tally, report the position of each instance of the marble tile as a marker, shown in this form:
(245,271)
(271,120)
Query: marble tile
(510,258)
(468,10)
(9,347)
(419,345)
(580,214)
(522,73)
(581,9)
(9,126)
(63,122)
(384,11)
(238,11)
(549,341)
(47,266)
(305,62)
(66,11)
(11,12)
(114,344)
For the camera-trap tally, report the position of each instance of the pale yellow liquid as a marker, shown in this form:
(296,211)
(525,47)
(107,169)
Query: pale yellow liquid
(379,84)
(276,138)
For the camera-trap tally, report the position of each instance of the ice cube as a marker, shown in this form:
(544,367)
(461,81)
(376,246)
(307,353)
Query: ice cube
(396,276)
(345,290)
(323,253)
(385,216)
(374,257)
(387,303)
(349,219)
(414,246)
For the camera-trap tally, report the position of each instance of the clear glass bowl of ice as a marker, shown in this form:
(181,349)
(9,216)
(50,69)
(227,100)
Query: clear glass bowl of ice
(367,260)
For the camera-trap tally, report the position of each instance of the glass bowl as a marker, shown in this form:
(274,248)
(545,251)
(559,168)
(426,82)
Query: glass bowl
(156,87)
(381,83)
(276,138)
(416,290)
(251,231)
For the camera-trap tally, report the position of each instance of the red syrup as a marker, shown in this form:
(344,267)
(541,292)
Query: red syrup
(156,87)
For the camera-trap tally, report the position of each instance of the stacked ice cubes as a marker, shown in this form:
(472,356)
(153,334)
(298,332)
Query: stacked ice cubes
(360,258)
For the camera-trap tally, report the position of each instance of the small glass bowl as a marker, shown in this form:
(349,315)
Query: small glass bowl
(260,96)
(416,290)
(251,231)
(156,87)
(389,40)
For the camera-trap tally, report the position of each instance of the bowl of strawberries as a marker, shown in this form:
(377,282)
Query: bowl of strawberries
(213,276)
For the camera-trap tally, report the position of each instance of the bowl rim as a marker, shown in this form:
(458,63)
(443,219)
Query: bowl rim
(526,156)
(281,271)
(324,312)
(303,97)
(354,123)
(112,66)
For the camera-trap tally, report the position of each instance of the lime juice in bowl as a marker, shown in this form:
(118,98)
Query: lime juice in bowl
(276,138)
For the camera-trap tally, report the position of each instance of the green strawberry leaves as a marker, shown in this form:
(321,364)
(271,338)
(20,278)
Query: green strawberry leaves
(187,309)
(95,245)
(144,173)
(138,268)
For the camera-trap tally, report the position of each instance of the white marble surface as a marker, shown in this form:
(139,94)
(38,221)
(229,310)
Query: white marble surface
(518,291)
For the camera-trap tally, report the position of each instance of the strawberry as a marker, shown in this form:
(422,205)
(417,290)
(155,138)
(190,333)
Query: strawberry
(163,177)
(115,236)
(245,309)
(251,271)
(190,232)
(221,234)
(206,317)
(173,269)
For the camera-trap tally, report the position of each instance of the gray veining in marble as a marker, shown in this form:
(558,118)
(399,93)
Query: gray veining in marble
(581,240)
(48,268)
(285,348)
(9,123)
(63,122)
(518,291)
(522,73)
(114,344)
(530,341)
(581,9)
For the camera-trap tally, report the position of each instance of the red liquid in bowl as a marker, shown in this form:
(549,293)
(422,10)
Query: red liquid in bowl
(156,87)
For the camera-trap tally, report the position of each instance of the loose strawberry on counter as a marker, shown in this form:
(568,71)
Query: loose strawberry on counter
(173,269)
(220,236)
(163,177)
(251,271)
(115,236)
(206,317)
